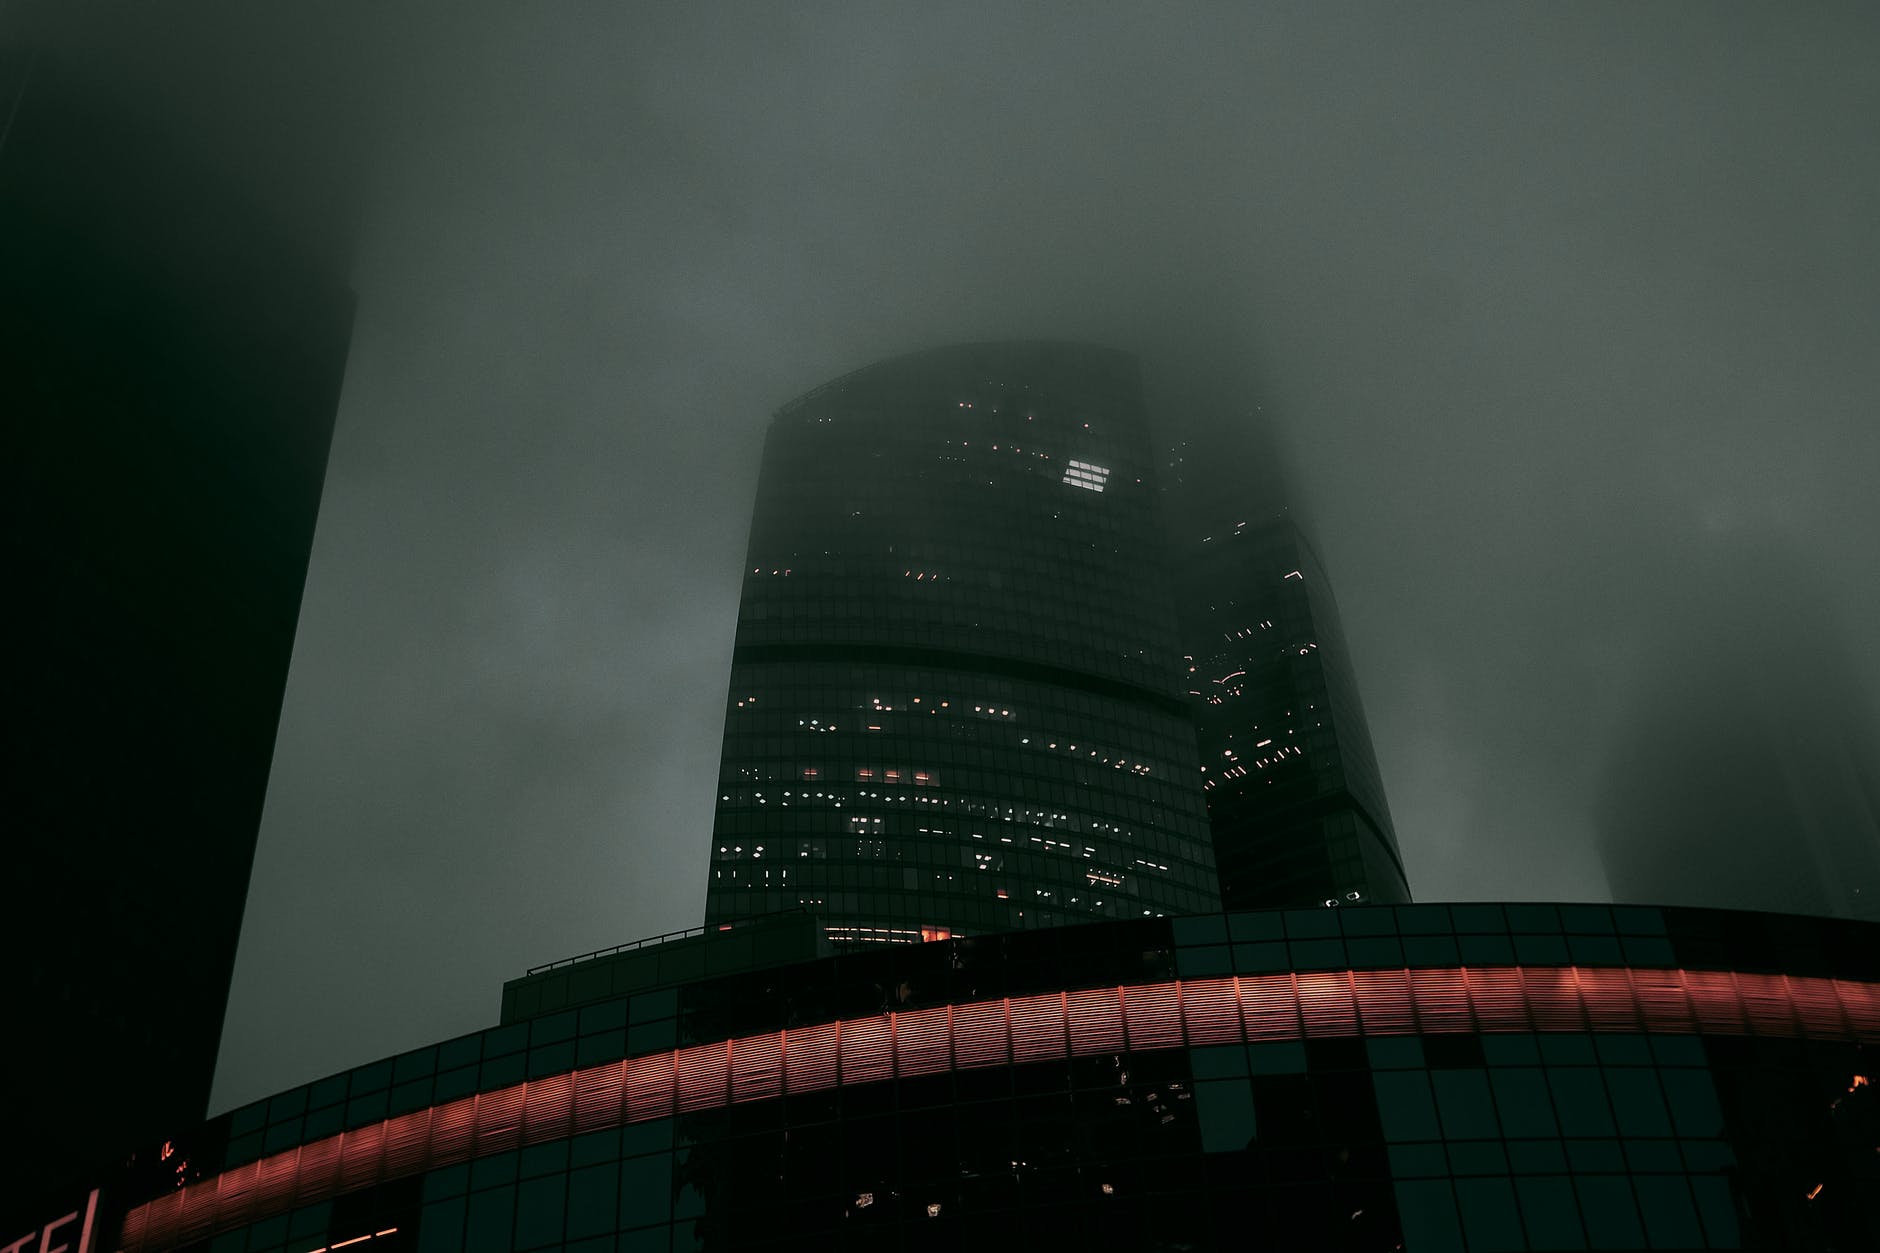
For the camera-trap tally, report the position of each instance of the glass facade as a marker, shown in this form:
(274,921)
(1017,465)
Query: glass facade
(954,702)
(1432,1078)
(1294,797)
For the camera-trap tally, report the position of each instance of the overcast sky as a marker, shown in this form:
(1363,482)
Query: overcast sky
(1555,309)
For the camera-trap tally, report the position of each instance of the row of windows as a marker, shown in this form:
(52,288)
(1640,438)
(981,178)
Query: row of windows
(865,740)
(1103,825)
(1116,660)
(923,855)
(1021,876)
(1098,821)
(1452,920)
(840,687)
(972,911)
(850,777)
(907,602)
(1388,952)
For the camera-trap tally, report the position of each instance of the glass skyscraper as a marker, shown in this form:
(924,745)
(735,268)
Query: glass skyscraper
(1294,795)
(174,358)
(955,703)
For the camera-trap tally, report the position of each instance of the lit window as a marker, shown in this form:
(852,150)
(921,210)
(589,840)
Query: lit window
(1086,475)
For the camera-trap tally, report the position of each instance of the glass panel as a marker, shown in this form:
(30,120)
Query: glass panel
(1259,958)
(1489,1214)
(540,1159)
(1693,1098)
(1635,1100)
(441,1229)
(652,1240)
(1213,959)
(450,1181)
(1522,1101)
(1678,1050)
(1623,1050)
(1280,1057)
(1225,1109)
(1462,1096)
(646,1190)
(593,1200)
(1429,1217)
(597,1146)
(1407,1161)
(1606,1208)
(1399,1052)
(1553,1221)
(487,1223)
(1537,1157)
(1670,1219)
(1404,1105)
(1226,1062)
(1580,1102)
(497,1168)
(1717,1211)
(1200,929)
(646,1137)
(1653,1157)
(538,1211)
(1595,1156)
(1478,1157)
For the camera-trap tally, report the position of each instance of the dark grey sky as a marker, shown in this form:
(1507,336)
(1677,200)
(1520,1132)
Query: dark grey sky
(1552,305)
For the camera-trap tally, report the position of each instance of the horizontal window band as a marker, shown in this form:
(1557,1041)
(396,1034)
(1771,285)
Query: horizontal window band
(960,662)
(1010,1031)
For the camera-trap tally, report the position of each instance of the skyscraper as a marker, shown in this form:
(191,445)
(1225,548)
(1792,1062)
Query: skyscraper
(1745,770)
(1294,796)
(955,704)
(172,368)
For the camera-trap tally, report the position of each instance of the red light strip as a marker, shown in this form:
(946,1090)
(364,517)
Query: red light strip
(1004,1032)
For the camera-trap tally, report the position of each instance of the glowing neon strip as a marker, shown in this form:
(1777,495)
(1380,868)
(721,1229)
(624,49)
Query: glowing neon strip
(1005,1032)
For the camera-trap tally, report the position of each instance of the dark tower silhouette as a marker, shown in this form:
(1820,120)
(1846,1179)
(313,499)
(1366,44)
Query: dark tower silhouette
(1747,772)
(954,702)
(171,373)
(1294,796)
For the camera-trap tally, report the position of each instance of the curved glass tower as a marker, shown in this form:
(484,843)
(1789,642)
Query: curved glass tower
(1293,789)
(955,706)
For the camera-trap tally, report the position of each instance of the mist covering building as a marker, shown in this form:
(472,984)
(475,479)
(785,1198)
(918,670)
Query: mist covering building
(1745,773)
(171,371)
(1295,800)
(1369,1078)
(955,705)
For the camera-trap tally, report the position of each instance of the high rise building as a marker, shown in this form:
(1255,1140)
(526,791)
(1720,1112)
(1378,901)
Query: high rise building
(1294,797)
(955,702)
(171,371)
(1424,1078)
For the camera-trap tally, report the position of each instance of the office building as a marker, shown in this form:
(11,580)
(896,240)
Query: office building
(1295,801)
(171,373)
(955,704)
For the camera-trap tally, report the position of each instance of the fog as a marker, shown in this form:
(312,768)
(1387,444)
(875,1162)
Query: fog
(1551,311)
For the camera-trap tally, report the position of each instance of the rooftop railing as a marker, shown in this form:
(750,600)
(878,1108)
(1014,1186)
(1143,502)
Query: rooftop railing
(665,937)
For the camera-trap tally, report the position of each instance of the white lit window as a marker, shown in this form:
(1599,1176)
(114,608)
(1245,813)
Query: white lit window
(1086,475)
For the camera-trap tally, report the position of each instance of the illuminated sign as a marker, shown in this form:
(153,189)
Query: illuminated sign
(57,1235)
